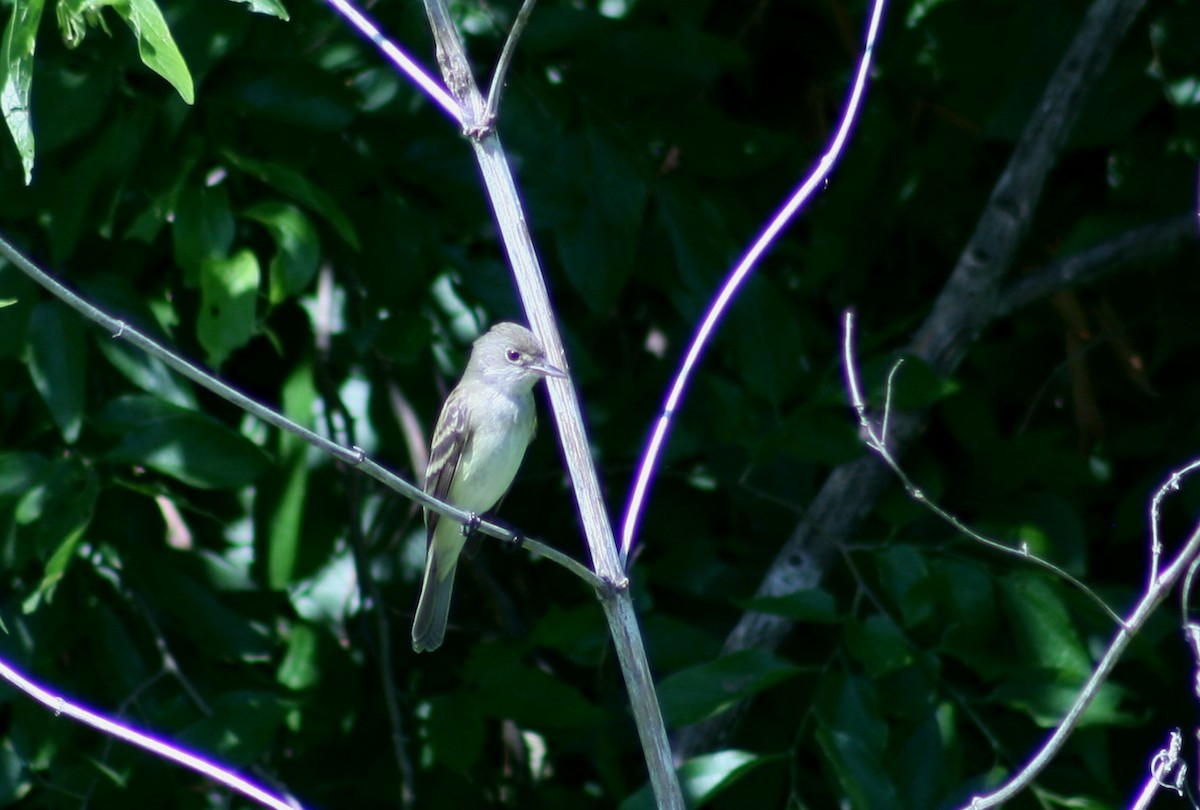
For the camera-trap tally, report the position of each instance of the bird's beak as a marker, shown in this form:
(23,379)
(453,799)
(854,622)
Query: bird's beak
(547,370)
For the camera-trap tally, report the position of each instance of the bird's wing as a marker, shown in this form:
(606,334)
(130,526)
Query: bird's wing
(450,439)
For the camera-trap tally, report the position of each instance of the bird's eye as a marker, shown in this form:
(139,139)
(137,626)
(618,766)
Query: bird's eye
(513,355)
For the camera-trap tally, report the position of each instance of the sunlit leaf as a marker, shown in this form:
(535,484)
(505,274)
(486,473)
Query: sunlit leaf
(228,305)
(16,77)
(155,44)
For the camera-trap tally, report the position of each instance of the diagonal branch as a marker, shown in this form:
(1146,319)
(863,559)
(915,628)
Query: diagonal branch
(1135,247)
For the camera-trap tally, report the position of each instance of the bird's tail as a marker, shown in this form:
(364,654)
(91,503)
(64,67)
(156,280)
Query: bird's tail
(433,608)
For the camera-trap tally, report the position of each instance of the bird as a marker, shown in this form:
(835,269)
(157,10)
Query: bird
(485,425)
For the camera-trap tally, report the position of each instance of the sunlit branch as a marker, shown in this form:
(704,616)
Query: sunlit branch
(61,706)
(749,261)
(399,58)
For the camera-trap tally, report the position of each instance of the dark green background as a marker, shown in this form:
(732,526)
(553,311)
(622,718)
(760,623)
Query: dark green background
(164,558)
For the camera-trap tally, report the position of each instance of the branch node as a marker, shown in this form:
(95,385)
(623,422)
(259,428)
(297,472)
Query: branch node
(476,131)
(612,587)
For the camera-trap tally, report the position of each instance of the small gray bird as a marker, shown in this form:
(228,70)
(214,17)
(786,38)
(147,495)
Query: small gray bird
(480,439)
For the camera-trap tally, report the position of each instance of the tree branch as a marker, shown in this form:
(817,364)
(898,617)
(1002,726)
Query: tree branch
(1133,248)
(522,258)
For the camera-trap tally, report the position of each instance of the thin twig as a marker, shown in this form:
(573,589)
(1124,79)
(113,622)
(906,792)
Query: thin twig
(748,263)
(399,58)
(1172,485)
(877,440)
(506,55)
(1167,769)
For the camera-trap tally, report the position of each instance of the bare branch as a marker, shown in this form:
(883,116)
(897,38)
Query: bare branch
(400,59)
(1133,248)
(876,438)
(506,55)
(745,267)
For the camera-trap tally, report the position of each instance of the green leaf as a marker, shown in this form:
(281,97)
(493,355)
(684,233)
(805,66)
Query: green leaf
(188,446)
(76,16)
(579,633)
(878,644)
(16,70)
(699,239)
(228,305)
(673,642)
(16,774)
(295,93)
(147,372)
(155,45)
(819,435)
(924,761)
(72,104)
(200,614)
(703,691)
(273,8)
(704,778)
(322,597)
(1042,627)
(19,472)
(853,734)
(299,188)
(202,230)
(859,770)
(1046,524)
(768,347)
(284,526)
(536,699)
(123,669)
(297,248)
(240,726)
(967,592)
(300,670)
(57,364)
(851,705)
(916,386)
(904,577)
(56,511)
(597,240)
(1046,696)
